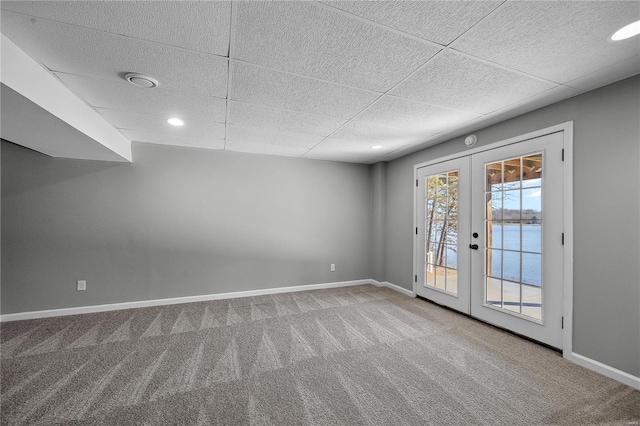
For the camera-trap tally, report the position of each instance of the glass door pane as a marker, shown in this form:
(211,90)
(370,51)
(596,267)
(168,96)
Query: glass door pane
(442,233)
(513,218)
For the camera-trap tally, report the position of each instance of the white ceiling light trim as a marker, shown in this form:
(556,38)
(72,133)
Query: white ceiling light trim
(628,31)
(141,80)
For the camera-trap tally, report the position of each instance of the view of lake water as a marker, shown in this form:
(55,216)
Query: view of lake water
(510,240)
(531,262)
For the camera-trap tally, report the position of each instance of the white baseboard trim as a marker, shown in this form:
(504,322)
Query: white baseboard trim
(581,360)
(606,370)
(174,300)
(394,287)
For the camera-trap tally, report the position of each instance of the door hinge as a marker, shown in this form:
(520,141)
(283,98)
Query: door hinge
(416,230)
(563,238)
(416,182)
(563,323)
(562,154)
(415,278)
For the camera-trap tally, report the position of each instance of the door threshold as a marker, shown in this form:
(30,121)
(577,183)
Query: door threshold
(537,342)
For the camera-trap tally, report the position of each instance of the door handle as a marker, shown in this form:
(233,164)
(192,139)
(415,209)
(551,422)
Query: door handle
(473,246)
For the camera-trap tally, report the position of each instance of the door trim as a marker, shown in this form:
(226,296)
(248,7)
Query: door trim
(567,129)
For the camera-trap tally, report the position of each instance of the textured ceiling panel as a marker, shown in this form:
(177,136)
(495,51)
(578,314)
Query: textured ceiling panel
(123,96)
(455,81)
(614,72)
(202,26)
(437,21)
(151,123)
(362,134)
(285,91)
(176,139)
(272,142)
(284,121)
(410,115)
(313,41)
(559,41)
(330,154)
(76,50)
(354,141)
(549,97)
(319,69)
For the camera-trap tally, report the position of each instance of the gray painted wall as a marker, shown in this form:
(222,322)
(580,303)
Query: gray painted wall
(181,222)
(176,222)
(378,219)
(606,215)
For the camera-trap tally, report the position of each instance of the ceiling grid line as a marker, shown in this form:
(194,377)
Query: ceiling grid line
(569,84)
(376,24)
(484,18)
(442,48)
(418,101)
(253,64)
(232,37)
(173,46)
(502,67)
(284,109)
(353,119)
(57,73)
(322,79)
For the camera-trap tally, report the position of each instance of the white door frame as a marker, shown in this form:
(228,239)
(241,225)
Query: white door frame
(567,129)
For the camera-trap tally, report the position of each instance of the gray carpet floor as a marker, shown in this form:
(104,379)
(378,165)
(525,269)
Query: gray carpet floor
(348,356)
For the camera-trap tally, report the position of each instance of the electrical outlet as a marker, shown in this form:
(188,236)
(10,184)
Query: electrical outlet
(82,285)
(333,267)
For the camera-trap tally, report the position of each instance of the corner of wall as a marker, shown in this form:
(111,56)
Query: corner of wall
(378,220)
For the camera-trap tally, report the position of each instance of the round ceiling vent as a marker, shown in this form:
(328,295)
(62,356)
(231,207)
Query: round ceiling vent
(141,80)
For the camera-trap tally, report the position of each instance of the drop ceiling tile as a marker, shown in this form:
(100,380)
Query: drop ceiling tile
(272,142)
(202,26)
(411,115)
(277,89)
(549,97)
(285,121)
(458,82)
(612,73)
(343,157)
(559,41)
(310,40)
(192,141)
(122,96)
(438,21)
(363,134)
(76,50)
(353,143)
(151,123)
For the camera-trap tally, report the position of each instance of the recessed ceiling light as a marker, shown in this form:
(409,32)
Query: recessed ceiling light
(376,147)
(174,121)
(141,80)
(627,31)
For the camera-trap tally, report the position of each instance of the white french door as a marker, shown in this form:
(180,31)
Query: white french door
(489,236)
(444,199)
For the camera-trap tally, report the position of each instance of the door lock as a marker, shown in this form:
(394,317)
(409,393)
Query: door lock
(473,246)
